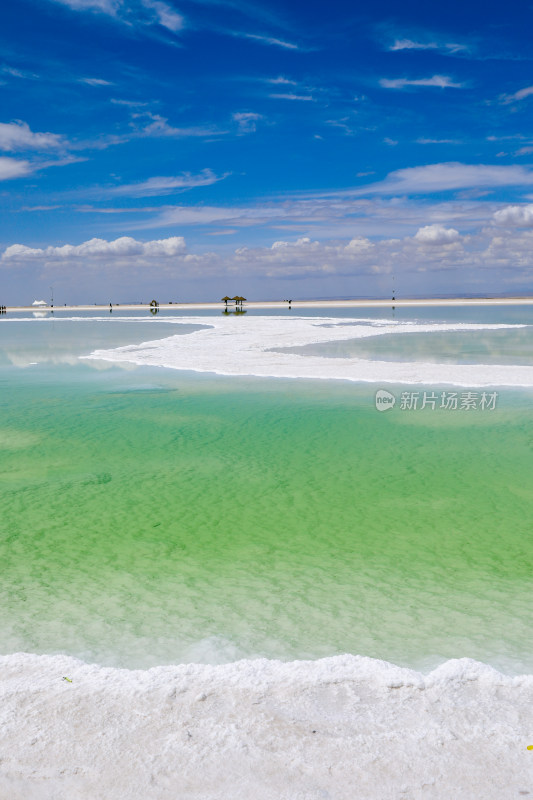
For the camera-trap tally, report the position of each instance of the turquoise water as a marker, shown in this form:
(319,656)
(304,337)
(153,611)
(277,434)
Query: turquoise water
(152,516)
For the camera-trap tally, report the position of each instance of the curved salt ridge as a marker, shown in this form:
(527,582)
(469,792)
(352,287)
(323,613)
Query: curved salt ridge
(346,727)
(244,346)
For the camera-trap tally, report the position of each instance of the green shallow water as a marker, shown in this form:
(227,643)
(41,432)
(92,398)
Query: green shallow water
(151,516)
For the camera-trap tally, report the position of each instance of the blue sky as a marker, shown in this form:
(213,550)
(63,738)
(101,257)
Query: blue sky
(182,150)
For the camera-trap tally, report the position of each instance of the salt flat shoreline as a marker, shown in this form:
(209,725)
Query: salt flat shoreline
(223,345)
(343,728)
(280,304)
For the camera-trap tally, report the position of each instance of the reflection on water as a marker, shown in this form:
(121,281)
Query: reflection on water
(498,346)
(57,341)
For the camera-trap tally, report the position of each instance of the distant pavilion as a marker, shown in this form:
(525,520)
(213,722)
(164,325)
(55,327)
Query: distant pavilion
(238,300)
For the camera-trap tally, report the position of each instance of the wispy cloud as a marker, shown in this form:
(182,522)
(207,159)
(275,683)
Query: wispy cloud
(206,215)
(524,151)
(291,96)
(165,15)
(246,121)
(138,13)
(144,125)
(86,209)
(40,208)
(510,137)
(96,82)
(521,94)
(409,44)
(334,214)
(421,140)
(59,162)
(128,103)
(154,187)
(158,126)
(268,40)
(440,81)
(18,73)
(342,124)
(280,80)
(446,47)
(400,203)
(19,168)
(449,176)
(105,6)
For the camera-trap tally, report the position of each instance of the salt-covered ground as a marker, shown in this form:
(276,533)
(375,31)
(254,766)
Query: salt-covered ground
(244,346)
(341,728)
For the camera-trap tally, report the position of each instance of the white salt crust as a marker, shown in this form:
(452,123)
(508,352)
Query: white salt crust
(243,346)
(343,728)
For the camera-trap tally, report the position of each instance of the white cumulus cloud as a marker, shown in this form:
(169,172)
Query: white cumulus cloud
(507,255)
(437,235)
(360,244)
(13,168)
(125,246)
(303,241)
(515,216)
(17,136)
